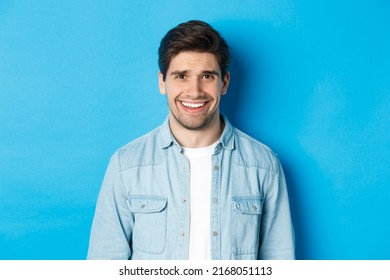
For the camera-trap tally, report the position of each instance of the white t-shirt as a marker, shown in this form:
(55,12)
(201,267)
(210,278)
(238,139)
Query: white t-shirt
(200,184)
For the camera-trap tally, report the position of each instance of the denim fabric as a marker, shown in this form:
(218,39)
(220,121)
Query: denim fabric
(143,209)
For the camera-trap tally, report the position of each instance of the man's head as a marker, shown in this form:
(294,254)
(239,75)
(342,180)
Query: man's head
(193,36)
(193,60)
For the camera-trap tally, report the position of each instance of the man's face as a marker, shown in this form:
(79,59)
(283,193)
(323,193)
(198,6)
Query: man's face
(194,86)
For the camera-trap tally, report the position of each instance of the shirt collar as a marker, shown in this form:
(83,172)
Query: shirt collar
(227,137)
(167,138)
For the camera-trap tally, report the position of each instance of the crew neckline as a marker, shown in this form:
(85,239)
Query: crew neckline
(200,151)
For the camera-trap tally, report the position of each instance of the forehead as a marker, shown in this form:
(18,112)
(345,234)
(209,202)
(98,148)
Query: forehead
(194,61)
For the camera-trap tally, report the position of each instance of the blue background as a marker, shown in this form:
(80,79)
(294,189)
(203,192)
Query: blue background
(311,79)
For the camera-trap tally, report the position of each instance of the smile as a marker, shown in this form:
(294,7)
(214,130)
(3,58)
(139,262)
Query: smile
(193,105)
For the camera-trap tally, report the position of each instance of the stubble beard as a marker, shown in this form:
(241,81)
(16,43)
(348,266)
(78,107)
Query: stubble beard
(197,124)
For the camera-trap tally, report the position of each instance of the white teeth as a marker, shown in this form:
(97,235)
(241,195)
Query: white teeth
(193,105)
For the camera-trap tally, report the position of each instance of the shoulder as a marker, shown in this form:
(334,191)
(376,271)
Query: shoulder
(253,153)
(142,151)
(149,138)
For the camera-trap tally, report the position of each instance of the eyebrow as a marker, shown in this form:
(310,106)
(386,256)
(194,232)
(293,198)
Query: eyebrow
(210,72)
(175,73)
(185,72)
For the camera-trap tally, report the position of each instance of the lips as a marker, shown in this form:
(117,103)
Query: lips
(192,105)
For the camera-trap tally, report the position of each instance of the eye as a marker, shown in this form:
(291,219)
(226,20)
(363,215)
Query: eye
(208,76)
(180,77)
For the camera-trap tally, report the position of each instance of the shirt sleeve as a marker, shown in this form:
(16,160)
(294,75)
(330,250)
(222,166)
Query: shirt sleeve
(113,221)
(276,231)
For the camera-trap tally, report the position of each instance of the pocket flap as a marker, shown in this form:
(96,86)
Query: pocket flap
(146,203)
(248,204)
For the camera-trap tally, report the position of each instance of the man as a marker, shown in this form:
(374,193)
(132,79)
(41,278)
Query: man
(195,187)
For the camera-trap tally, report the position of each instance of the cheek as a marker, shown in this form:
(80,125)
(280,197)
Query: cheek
(215,91)
(173,89)
(172,94)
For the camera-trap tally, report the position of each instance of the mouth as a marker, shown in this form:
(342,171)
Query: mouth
(193,105)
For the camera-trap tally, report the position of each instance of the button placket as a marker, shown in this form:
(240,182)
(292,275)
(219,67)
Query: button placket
(184,207)
(215,223)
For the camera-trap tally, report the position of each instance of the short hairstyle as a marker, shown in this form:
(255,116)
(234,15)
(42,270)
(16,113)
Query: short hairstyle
(196,36)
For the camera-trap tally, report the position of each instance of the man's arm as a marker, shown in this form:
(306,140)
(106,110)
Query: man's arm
(276,232)
(113,221)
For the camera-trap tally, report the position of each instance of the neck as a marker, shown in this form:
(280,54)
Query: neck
(204,137)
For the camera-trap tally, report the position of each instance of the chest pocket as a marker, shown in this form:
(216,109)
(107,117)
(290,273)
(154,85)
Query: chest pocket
(246,218)
(150,222)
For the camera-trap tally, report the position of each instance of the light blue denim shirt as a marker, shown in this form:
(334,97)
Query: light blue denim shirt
(143,209)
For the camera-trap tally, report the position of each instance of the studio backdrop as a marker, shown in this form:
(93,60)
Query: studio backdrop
(310,79)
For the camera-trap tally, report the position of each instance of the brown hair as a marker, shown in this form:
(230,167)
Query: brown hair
(193,35)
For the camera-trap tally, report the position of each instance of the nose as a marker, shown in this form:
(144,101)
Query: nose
(195,88)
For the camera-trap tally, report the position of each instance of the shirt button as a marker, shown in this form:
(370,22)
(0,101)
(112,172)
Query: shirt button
(254,207)
(143,206)
(183,168)
(182,234)
(184,200)
(215,233)
(215,200)
(216,167)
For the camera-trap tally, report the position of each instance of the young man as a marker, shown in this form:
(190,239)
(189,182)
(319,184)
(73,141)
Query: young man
(195,187)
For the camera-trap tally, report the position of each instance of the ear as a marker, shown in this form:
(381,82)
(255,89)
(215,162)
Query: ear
(225,84)
(161,84)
